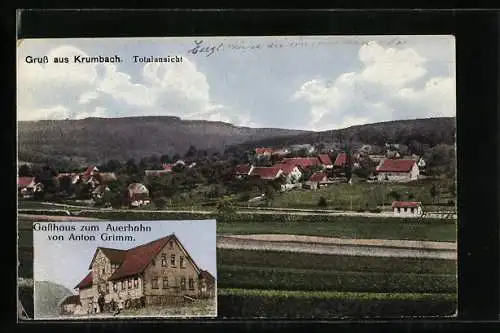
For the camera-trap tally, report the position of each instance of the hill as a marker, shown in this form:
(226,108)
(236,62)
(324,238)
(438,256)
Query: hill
(426,132)
(93,140)
(47,297)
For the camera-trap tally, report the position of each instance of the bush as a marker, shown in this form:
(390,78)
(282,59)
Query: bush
(376,210)
(322,202)
(160,202)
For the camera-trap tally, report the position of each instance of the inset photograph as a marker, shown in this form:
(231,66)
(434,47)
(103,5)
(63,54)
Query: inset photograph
(125,269)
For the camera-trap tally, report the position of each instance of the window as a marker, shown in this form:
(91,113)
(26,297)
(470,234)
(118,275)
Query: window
(165,282)
(399,210)
(172,260)
(107,287)
(154,283)
(129,283)
(405,209)
(115,287)
(103,271)
(136,283)
(122,285)
(153,262)
(164,260)
(412,210)
(183,283)
(191,284)
(171,245)
(181,262)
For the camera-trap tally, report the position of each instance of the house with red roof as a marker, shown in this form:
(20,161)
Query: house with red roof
(266,173)
(341,160)
(302,162)
(291,174)
(27,187)
(155,273)
(407,208)
(316,180)
(243,170)
(325,160)
(397,170)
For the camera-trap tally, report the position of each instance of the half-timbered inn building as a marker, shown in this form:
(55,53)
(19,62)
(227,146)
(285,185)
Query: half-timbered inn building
(160,272)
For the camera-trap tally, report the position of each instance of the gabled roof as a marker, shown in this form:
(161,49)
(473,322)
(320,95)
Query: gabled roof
(86,282)
(115,256)
(317,177)
(285,167)
(390,165)
(303,162)
(406,204)
(24,181)
(325,159)
(242,169)
(266,172)
(89,171)
(340,160)
(209,278)
(133,261)
(136,259)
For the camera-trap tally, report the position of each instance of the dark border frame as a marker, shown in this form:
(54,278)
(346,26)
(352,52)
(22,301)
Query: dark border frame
(477,36)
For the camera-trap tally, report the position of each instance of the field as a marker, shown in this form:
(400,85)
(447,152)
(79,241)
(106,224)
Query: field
(289,285)
(359,196)
(303,285)
(327,226)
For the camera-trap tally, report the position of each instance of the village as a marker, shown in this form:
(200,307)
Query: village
(265,174)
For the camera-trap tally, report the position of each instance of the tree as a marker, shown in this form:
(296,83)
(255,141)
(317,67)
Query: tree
(113,166)
(434,191)
(395,195)
(131,167)
(165,159)
(269,193)
(25,171)
(47,178)
(160,202)
(225,206)
(191,152)
(322,202)
(65,185)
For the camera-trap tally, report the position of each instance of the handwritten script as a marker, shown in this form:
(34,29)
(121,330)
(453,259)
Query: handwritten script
(202,48)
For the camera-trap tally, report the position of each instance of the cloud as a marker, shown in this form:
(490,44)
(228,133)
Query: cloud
(75,91)
(390,84)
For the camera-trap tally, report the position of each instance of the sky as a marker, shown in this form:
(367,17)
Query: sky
(66,262)
(309,83)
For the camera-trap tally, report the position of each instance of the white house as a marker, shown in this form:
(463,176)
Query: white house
(292,174)
(397,170)
(407,208)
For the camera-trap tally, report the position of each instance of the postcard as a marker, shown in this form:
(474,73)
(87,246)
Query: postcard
(328,163)
(124,269)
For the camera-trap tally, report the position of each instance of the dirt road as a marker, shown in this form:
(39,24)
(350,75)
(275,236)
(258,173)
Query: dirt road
(231,242)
